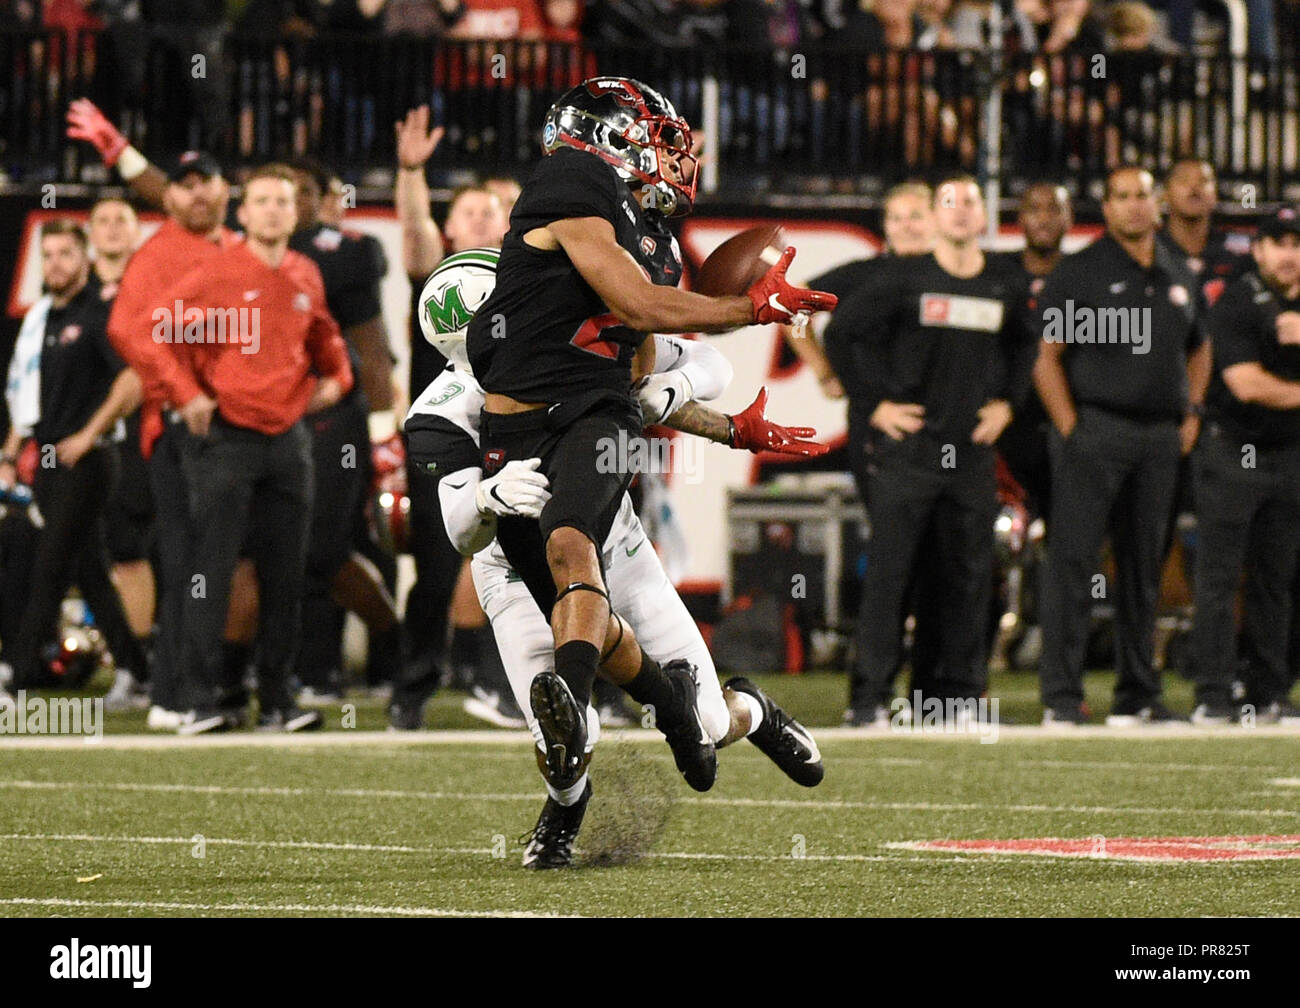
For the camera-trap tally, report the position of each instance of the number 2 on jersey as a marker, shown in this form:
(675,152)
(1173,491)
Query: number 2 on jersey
(588,336)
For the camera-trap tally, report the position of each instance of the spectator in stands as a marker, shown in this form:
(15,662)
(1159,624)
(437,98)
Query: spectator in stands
(248,462)
(188,31)
(1133,28)
(1071,27)
(67,392)
(657,24)
(1261,27)
(421,18)
(900,98)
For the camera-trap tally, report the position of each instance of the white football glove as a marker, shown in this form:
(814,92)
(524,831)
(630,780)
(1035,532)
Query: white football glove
(663,394)
(517,491)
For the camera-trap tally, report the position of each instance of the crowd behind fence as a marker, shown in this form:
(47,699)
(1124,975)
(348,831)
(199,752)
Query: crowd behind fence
(825,119)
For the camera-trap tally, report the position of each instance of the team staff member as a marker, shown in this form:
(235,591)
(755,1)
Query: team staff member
(1248,473)
(1215,256)
(114,231)
(936,337)
(1045,217)
(195,197)
(909,231)
(248,461)
(1121,421)
(68,391)
(339,567)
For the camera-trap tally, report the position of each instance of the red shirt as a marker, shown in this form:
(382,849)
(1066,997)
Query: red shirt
(263,336)
(150,274)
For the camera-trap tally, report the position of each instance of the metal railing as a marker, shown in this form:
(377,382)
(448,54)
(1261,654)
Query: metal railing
(816,121)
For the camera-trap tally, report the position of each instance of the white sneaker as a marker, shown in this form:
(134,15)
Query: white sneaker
(308,697)
(162,719)
(127,693)
(490,707)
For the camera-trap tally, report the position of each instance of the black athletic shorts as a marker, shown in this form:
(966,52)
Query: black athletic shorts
(580,443)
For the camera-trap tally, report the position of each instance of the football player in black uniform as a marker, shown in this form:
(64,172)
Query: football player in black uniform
(588,268)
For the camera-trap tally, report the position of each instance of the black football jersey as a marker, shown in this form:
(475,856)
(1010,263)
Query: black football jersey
(544,335)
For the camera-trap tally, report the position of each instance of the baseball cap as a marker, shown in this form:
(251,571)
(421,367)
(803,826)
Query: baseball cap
(1284,221)
(199,162)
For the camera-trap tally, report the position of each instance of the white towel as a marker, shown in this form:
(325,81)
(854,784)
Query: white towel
(23,390)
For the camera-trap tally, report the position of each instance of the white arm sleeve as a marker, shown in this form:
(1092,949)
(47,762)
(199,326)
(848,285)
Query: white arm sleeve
(707,368)
(468,529)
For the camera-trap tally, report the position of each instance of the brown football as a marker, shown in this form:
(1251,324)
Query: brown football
(740,261)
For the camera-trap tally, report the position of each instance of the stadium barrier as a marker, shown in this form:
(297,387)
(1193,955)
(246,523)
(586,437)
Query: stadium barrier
(822,120)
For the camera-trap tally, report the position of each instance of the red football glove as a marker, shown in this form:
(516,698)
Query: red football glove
(86,122)
(775,300)
(751,429)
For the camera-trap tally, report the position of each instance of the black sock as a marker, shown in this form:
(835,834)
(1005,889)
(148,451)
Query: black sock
(651,686)
(234,664)
(464,645)
(575,663)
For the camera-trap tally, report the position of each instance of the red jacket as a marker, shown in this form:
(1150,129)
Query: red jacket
(255,338)
(153,270)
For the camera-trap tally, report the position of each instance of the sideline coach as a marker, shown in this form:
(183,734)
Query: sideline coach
(1248,480)
(1124,406)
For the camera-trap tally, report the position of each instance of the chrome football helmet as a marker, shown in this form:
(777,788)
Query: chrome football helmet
(632,127)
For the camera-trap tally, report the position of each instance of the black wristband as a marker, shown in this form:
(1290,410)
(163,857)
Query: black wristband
(731,432)
(1197,410)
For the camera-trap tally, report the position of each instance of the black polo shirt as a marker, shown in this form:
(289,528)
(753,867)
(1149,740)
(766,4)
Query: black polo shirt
(1103,279)
(925,336)
(351,264)
(1225,259)
(1242,327)
(78,364)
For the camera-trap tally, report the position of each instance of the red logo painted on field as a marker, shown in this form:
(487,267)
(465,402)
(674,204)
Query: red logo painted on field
(1101,848)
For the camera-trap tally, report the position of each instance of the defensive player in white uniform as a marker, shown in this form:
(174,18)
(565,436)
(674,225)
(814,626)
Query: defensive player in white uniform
(443,432)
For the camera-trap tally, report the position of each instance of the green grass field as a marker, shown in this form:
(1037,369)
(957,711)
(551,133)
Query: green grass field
(351,822)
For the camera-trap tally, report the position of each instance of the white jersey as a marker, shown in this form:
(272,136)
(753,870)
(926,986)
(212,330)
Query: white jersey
(446,417)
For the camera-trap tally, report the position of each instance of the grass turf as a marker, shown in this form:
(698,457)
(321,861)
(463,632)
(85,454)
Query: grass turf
(428,827)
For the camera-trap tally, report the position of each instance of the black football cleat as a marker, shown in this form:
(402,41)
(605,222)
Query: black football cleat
(550,844)
(564,729)
(692,748)
(785,741)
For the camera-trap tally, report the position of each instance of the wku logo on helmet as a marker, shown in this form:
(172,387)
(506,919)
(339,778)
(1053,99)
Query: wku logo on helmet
(623,92)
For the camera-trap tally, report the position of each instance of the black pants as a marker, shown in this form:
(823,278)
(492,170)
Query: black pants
(72,550)
(923,595)
(242,481)
(911,490)
(1252,518)
(340,444)
(171,686)
(1113,473)
(425,617)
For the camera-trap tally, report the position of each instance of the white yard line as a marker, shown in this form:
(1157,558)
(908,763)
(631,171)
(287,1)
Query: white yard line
(313,908)
(810,805)
(384,739)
